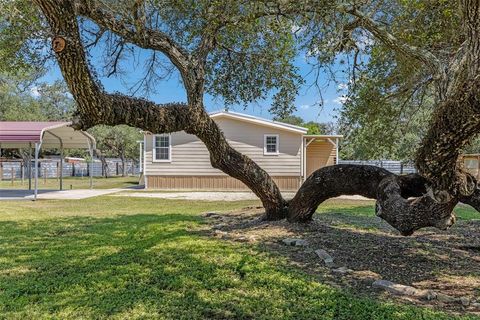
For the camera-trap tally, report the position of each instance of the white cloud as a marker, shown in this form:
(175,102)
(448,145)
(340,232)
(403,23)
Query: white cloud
(364,40)
(342,86)
(297,29)
(34,92)
(340,100)
(305,106)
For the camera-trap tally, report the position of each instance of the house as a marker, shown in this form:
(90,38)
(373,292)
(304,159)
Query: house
(181,161)
(472,164)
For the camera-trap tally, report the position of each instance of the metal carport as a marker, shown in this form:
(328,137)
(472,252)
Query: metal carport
(47,135)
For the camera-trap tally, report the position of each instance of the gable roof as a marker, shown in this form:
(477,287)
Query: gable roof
(258,120)
(52,134)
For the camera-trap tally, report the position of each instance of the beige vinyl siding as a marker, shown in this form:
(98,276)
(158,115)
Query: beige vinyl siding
(191,157)
(219,182)
(472,164)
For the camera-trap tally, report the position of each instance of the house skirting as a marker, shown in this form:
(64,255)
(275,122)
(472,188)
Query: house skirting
(213,183)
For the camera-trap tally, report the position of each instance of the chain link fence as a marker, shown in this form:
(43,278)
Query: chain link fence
(397,167)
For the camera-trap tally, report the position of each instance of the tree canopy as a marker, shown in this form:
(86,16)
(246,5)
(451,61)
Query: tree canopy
(392,97)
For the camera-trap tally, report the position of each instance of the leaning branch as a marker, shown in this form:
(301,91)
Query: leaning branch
(424,56)
(402,201)
(94,105)
(141,36)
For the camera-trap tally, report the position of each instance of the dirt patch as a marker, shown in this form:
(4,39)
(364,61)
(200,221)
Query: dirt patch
(447,262)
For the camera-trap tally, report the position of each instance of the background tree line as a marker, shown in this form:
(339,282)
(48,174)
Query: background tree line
(23,97)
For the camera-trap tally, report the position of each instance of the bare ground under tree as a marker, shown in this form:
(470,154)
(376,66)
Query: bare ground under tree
(444,261)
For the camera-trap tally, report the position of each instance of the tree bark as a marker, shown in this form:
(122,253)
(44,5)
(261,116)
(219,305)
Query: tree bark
(454,123)
(124,166)
(457,119)
(402,201)
(241,167)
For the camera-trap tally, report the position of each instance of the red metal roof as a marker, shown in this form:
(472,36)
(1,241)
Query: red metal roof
(26,131)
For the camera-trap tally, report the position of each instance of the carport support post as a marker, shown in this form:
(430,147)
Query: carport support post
(61,166)
(90,172)
(37,151)
(29,166)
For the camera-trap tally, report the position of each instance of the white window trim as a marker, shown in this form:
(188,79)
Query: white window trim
(265,153)
(154,153)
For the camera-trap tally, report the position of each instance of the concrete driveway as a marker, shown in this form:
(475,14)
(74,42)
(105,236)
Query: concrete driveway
(196,195)
(77,194)
(210,195)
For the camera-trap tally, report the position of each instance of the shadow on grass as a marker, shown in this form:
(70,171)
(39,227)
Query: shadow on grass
(445,261)
(150,266)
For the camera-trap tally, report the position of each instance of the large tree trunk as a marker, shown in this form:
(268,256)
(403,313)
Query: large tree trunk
(239,166)
(97,107)
(101,156)
(455,122)
(392,193)
(124,166)
(457,119)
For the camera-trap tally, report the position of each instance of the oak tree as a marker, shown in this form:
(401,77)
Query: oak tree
(241,51)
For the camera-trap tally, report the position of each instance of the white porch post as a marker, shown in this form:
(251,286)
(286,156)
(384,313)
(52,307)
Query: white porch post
(140,160)
(302,176)
(145,179)
(304,146)
(336,151)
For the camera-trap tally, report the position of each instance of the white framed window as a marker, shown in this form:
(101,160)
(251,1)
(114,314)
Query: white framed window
(270,144)
(162,148)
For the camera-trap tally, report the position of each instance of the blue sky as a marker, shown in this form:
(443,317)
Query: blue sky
(171,90)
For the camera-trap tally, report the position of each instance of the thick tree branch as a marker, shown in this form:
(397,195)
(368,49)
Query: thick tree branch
(473,199)
(435,66)
(457,119)
(453,125)
(94,105)
(141,36)
(393,194)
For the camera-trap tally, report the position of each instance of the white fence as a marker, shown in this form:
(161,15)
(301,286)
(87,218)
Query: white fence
(393,166)
(51,169)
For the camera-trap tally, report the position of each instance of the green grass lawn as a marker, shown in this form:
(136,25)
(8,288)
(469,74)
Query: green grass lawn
(355,208)
(74,183)
(135,258)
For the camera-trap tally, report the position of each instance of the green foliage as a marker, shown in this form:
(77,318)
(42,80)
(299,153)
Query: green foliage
(119,141)
(133,258)
(251,61)
(392,99)
(291,119)
(320,128)
(20,99)
(391,96)
(22,38)
(312,126)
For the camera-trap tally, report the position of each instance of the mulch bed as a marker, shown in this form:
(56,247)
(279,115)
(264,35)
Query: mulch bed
(447,262)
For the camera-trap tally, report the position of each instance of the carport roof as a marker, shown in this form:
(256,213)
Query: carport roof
(21,134)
